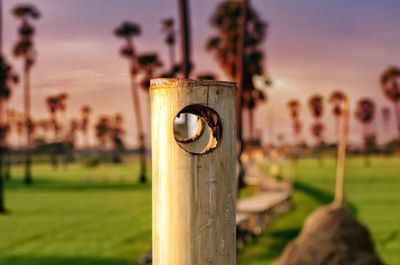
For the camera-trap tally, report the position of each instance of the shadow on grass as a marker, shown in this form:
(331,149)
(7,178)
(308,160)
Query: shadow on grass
(319,195)
(57,260)
(268,246)
(281,238)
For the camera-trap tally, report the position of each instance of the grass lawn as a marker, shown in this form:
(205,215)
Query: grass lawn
(102,216)
(373,194)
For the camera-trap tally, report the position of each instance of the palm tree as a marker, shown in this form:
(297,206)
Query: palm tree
(148,63)
(386,113)
(25,49)
(317,130)
(71,139)
(237,49)
(240,28)
(336,98)
(116,134)
(10,121)
(316,107)
(46,126)
(56,104)
(297,128)
(109,130)
(73,128)
(85,114)
(391,88)
(185,37)
(1,27)
(315,104)
(386,119)
(8,79)
(102,129)
(294,109)
(128,31)
(168,28)
(365,113)
(63,108)
(20,131)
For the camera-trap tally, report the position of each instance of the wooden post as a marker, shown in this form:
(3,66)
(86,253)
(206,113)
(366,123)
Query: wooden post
(344,128)
(194,184)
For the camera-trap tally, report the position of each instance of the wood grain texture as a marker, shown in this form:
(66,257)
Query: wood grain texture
(193,194)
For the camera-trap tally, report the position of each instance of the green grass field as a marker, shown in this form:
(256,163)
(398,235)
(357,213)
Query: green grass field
(102,216)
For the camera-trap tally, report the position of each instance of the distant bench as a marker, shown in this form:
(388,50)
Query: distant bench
(258,210)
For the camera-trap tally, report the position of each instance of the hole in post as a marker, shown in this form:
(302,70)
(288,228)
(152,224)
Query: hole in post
(197,129)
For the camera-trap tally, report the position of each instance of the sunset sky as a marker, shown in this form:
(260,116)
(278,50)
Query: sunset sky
(312,46)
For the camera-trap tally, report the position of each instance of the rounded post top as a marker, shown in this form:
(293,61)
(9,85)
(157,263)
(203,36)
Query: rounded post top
(180,82)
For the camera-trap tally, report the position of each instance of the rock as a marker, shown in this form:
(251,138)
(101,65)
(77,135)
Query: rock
(331,236)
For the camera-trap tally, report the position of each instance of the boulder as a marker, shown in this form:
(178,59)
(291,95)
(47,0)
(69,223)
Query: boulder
(331,236)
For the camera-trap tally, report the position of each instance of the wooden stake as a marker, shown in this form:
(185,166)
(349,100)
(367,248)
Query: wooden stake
(344,128)
(194,184)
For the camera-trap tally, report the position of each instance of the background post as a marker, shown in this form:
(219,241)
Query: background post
(341,160)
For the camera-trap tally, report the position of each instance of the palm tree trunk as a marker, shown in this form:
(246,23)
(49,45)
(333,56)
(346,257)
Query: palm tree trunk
(240,82)
(320,153)
(85,133)
(366,151)
(7,172)
(87,139)
(2,147)
(296,142)
(270,126)
(19,140)
(54,151)
(138,116)
(139,127)
(1,27)
(251,123)
(240,69)
(2,201)
(185,41)
(7,151)
(337,130)
(172,56)
(142,150)
(2,207)
(185,30)
(397,113)
(27,109)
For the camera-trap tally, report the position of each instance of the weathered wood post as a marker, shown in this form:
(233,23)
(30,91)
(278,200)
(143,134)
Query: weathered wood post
(194,183)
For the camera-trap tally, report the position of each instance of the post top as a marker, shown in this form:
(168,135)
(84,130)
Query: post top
(169,82)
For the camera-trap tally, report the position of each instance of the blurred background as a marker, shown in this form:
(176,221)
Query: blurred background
(75,118)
